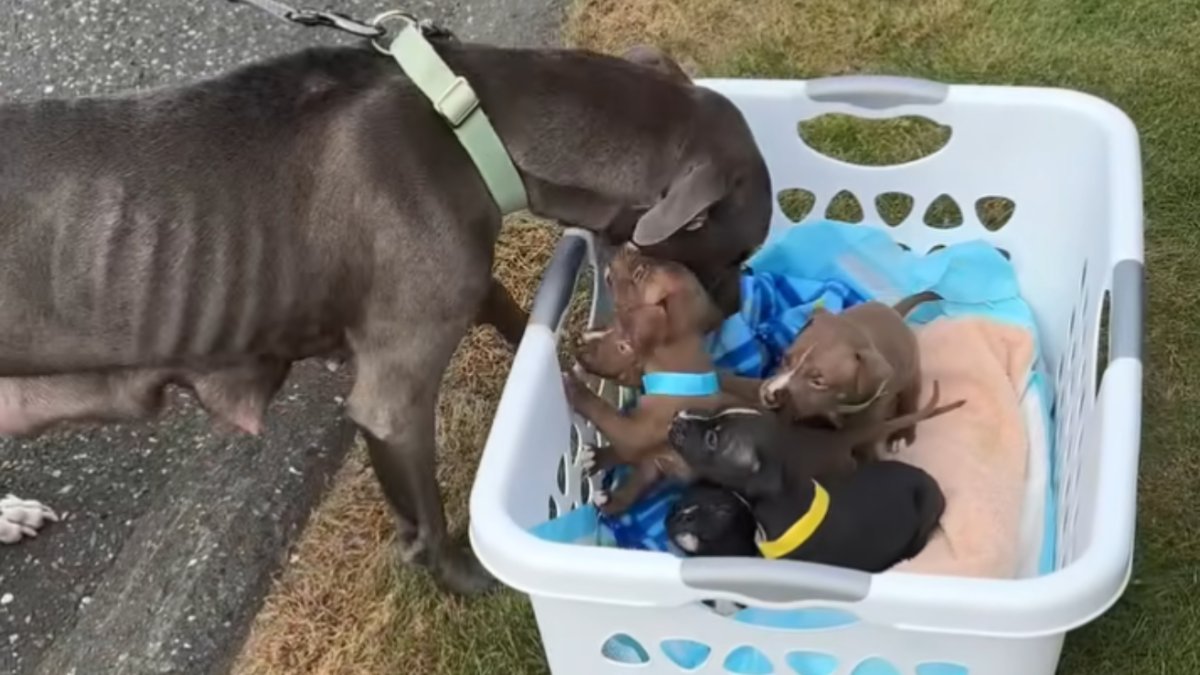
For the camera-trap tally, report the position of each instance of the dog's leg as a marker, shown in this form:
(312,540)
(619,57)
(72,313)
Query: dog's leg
(748,389)
(31,405)
(644,475)
(629,436)
(399,368)
(501,311)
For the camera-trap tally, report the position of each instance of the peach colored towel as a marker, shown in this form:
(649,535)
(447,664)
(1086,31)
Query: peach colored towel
(977,453)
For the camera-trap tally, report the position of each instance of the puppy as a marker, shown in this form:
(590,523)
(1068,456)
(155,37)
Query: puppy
(712,520)
(662,315)
(856,368)
(879,515)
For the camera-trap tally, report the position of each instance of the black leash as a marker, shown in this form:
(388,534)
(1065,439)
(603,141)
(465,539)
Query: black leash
(312,17)
(373,29)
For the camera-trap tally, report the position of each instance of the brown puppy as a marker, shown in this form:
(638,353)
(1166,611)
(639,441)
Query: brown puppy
(661,316)
(859,367)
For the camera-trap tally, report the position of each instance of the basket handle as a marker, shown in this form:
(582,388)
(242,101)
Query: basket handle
(558,283)
(876,91)
(775,581)
(1128,312)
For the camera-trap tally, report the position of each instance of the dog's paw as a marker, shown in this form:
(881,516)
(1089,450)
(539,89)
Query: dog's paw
(21,518)
(587,458)
(600,498)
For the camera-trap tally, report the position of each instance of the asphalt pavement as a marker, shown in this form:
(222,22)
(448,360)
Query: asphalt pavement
(172,532)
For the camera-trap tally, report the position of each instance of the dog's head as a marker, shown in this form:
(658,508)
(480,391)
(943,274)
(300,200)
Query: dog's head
(708,520)
(636,280)
(611,353)
(730,447)
(714,209)
(830,370)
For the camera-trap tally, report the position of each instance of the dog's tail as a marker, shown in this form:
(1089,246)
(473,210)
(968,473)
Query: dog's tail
(907,304)
(889,427)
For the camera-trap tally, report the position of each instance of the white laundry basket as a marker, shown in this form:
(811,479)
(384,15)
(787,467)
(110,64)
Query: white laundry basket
(1071,163)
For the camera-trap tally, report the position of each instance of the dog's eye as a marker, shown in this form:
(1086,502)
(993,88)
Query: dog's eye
(624,347)
(817,381)
(710,439)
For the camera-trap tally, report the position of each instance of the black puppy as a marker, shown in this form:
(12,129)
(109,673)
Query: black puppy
(711,520)
(879,515)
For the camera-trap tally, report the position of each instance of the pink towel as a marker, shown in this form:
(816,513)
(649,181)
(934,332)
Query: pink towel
(977,453)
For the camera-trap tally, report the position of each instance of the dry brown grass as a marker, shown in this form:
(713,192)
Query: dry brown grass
(341,606)
(718,37)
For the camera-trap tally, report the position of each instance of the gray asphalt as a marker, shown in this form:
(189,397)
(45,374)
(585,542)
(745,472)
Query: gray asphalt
(172,532)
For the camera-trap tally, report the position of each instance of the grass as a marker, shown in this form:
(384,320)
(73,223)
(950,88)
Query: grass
(340,608)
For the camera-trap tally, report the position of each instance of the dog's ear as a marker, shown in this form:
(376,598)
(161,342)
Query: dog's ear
(873,371)
(655,59)
(685,204)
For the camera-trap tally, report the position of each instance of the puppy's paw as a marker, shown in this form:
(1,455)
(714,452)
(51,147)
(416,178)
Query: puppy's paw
(575,388)
(20,518)
(600,498)
(587,458)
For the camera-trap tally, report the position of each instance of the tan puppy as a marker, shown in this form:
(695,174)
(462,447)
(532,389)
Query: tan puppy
(662,316)
(859,367)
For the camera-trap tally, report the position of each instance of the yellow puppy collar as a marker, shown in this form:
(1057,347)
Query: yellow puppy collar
(800,531)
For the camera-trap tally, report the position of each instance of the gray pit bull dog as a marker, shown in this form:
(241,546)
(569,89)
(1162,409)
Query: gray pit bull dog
(210,235)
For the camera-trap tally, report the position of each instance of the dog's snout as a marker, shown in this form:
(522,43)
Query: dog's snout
(774,392)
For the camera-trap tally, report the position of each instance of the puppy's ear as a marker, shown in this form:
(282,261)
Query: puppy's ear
(646,326)
(873,372)
(655,59)
(686,204)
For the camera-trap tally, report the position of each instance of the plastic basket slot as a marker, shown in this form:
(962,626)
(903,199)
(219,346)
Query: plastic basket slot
(796,203)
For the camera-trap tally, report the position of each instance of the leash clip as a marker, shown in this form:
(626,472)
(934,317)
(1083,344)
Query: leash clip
(337,20)
(427,28)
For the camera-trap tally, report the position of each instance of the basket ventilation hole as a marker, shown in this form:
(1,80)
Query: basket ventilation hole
(894,207)
(562,475)
(815,618)
(747,660)
(687,654)
(585,491)
(844,207)
(573,448)
(1004,252)
(943,213)
(935,248)
(1102,341)
(796,203)
(938,668)
(994,212)
(552,508)
(873,142)
(904,246)
(811,663)
(621,648)
(875,666)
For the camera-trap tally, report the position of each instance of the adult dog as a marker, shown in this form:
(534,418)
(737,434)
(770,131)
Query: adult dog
(210,235)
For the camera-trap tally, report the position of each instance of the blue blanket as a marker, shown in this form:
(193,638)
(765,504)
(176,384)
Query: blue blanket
(835,266)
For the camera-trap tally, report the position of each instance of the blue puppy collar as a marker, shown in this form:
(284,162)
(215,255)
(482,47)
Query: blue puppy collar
(681,384)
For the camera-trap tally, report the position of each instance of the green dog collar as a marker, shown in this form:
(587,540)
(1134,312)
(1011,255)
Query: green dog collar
(454,99)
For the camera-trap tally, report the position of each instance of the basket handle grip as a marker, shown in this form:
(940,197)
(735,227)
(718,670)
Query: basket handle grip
(775,581)
(1128,313)
(876,91)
